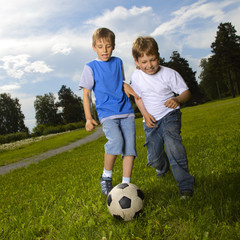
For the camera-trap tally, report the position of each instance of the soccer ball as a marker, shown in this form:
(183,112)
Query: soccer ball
(125,201)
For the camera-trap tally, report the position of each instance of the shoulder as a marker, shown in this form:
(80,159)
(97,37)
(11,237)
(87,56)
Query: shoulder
(168,70)
(136,72)
(164,69)
(91,63)
(116,59)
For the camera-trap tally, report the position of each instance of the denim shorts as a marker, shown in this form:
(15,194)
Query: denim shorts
(121,136)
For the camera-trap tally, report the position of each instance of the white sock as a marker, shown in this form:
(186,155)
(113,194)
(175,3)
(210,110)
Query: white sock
(126,180)
(107,173)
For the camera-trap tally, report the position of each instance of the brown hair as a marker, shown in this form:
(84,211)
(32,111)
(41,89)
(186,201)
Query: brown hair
(103,33)
(146,45)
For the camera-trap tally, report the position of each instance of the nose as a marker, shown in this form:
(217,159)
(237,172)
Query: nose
(105,48)
(149,64)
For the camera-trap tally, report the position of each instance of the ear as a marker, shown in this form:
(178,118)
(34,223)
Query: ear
(136,61)
(94,48)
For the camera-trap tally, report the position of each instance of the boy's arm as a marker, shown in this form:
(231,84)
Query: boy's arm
(90,122)
(149,119)
(176,101)
(129,91)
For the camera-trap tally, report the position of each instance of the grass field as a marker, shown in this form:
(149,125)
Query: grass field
(60,198)
(16,151)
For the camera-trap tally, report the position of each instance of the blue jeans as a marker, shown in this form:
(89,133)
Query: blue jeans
(121,136)
(166,134)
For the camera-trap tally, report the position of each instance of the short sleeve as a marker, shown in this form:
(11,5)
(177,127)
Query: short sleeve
(87,80)
(178,84)
(134,86)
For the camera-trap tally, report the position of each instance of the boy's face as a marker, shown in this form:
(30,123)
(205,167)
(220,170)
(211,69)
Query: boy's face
(103,48)
(148,64)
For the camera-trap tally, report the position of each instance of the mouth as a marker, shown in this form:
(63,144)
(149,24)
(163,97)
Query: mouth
(150,69)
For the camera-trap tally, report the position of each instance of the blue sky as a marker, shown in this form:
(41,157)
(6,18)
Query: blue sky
(45,44)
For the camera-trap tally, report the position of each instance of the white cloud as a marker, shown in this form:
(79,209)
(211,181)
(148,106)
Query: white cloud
(185,16)
(16,66)
(119,13)
(61,46)
(38,66)
(121,19)
(200,38)
(28,14)
(9,87)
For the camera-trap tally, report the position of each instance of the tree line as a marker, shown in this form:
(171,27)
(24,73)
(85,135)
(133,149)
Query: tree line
(219,78)
(48,111)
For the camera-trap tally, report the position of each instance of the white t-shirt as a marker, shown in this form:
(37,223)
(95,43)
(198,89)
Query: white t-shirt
(156,89)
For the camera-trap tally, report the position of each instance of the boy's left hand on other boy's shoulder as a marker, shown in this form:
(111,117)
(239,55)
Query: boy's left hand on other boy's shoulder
(171,103)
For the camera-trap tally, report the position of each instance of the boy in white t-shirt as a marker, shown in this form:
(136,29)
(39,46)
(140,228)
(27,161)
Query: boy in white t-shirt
(159,106)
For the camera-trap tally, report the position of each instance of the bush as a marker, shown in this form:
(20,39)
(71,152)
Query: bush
(53,129)
(13,137)
(45,130)
(38,130)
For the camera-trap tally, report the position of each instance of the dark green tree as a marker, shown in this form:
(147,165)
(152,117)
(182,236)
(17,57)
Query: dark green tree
(211,82)
(47,110)
(226,50)
(11,116)
(71,104)
(181,65)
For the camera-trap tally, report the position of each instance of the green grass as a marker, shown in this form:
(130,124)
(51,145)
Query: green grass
(60,198)
(13,152)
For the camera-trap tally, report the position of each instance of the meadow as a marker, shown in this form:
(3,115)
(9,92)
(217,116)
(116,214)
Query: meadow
(16,151)
(60,198)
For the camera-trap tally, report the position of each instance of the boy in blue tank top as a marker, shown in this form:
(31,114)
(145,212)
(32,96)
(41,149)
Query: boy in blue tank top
(105,76)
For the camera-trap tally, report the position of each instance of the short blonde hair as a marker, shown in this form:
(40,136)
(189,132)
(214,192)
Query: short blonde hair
(103,33)
(146,45)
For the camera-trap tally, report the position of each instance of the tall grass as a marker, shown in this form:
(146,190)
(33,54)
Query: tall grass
(60,198)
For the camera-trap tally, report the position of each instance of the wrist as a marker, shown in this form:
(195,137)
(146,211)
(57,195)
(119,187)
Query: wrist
(89,119)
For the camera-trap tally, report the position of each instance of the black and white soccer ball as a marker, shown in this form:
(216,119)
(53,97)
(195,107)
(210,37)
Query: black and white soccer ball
(125,201)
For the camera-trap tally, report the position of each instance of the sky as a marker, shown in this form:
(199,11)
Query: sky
(45,44)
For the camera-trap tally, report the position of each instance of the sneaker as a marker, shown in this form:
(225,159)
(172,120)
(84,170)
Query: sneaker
(186,195)
(106,185)
(159,173)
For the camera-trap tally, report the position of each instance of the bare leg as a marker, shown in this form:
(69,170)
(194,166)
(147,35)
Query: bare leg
(127,166)
(109,161)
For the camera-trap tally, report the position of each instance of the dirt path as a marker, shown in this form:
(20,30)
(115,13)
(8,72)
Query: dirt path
(35,159)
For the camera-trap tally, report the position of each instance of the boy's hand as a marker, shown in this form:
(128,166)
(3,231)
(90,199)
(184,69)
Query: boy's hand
(129,91)
(90,124)
(150,120)
(175,101)
(172,103)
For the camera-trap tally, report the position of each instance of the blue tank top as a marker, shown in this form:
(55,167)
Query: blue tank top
(108,88)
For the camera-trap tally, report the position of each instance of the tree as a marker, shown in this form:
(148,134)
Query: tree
(214,86)
(46,110)
(182,67)
(226,50)
(71,104)
(11,116)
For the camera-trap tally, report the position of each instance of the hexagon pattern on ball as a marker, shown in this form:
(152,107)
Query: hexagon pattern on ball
(125,201)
